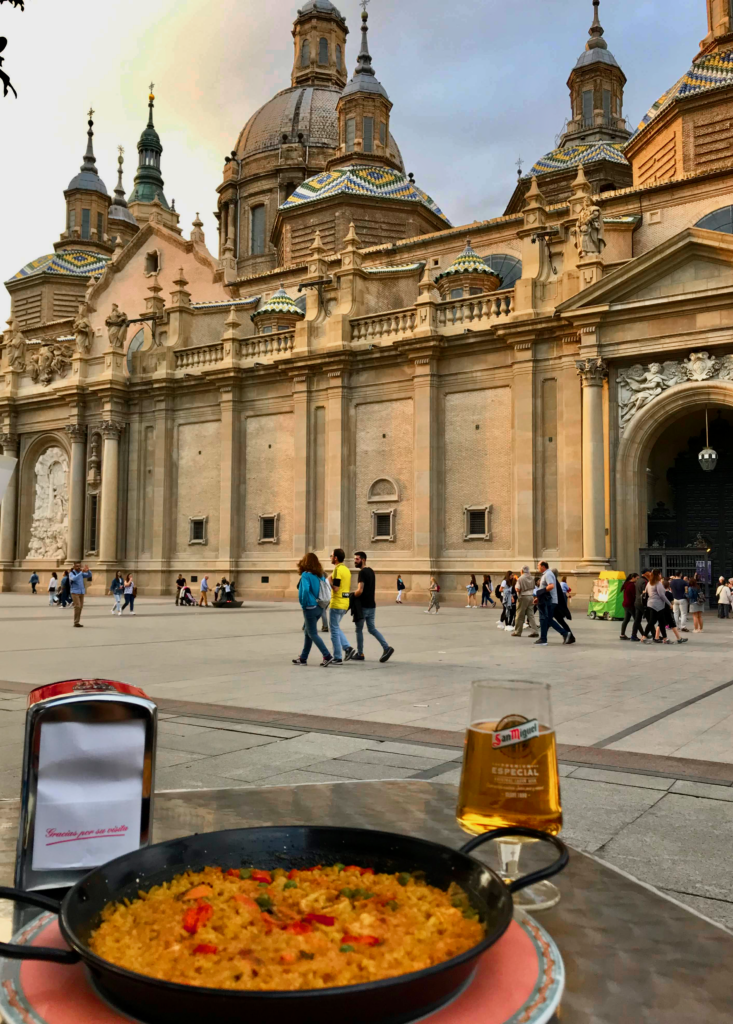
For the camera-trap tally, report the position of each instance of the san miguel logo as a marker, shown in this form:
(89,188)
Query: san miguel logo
(519,733)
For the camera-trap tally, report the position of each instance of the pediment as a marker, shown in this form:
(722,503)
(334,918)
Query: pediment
(693,261)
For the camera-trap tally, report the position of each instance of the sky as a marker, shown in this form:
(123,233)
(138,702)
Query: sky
(475,84)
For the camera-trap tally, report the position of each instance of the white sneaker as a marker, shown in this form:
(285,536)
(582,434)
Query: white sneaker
(500,625)
(112,612)
(132,613)
(509,629)
(468,606)
(119,613)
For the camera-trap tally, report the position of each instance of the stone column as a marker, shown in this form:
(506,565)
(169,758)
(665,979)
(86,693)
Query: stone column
(524,533)
(229,505)
(425,398)
(9,507)
(110,490)
(301,526)
(338,464)
(77,478)
(593,373)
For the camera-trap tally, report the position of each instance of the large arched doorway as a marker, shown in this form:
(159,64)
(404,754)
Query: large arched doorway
(664,501)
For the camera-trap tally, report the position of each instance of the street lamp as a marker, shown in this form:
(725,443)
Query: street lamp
(708,457)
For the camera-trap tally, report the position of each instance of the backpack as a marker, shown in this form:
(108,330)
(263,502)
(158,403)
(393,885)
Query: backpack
(324,594)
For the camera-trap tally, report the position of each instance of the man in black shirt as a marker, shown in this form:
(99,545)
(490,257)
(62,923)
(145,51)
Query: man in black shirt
(365,594)
(180,584)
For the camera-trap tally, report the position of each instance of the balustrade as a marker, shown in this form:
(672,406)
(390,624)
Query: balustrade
(395,324)
(476,308)
(204,355)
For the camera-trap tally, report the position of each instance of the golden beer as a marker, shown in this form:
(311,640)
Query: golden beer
(508,782)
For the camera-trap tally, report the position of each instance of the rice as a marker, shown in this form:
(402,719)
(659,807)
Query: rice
(284,931)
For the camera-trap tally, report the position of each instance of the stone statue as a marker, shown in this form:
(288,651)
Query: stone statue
(51,506)
(117,327)
(16,350)
(83,331)
(589,238)
(47,361)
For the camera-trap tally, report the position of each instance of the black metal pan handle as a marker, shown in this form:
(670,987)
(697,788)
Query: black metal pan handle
(36,899)
(530,833)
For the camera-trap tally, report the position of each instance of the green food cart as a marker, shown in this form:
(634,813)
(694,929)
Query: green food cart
(607,599)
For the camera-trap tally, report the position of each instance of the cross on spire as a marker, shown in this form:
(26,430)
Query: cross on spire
(90,113)
(152,86)
(364,4)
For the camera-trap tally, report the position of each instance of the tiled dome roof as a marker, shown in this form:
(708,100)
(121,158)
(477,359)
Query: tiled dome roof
(361,180)
(574,156)
(309,111)
(280,302)
(713,71)
(68,262)
(469,262)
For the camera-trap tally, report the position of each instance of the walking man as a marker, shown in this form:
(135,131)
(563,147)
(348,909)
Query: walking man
(204,599)
(547,600)
(76,580)
(340,588)
(33,582)
(525,604)
(680,603)
(180,584)
(365,593)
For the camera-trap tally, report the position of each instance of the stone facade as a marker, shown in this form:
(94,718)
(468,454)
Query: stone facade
(445,426)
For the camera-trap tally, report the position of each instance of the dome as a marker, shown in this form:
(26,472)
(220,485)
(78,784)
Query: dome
(89,181)
(713,71)
(361,180)
(322,7)
(280,303)
(121,213)
(469,262)
(68,263)
(309,111)
(596,56)
(573,156)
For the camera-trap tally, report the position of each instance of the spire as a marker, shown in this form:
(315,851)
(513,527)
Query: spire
(148,179)
(596,31)
(364,79)
(88,176)
(119,190)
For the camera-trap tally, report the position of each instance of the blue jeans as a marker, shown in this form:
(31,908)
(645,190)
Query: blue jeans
(369,614)
(547,610)
(312,616)
(117,595)
(338,637)
(129,602)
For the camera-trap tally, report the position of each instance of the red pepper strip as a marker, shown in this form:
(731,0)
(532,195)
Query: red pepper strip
(197,916)
(261,876)
(316,868)
(366,871)
(204,948)
(293,873)
(299,928)
(232,873)
(320,919)
(287,958)
(361,940)
(268,922)
(352,867)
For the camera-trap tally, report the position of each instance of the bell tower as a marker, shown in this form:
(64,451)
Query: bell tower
(319,34)
(363,111)
(87,205)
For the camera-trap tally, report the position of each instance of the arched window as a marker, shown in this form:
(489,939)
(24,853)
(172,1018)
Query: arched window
(257,231)
(338,54)
(719,220)
(323,50)
(507,268)
(305,54)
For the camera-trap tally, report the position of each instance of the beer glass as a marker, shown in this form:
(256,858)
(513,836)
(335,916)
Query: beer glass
(509,774)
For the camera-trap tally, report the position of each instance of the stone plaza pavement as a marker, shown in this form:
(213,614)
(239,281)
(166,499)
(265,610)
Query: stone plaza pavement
(645,730)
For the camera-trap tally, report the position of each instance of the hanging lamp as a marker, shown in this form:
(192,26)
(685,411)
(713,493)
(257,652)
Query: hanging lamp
(708,457)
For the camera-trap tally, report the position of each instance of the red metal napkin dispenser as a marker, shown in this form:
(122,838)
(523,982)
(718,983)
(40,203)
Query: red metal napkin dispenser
(88,780)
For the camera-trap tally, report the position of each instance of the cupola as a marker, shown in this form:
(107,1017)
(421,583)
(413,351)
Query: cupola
(469,274)
(279,313)
(596,86)
(319,34)
(147,199)
(87,203)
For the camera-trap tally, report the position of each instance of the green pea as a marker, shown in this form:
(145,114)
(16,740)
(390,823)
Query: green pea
(263,902)
(349,893)
(346,949)
(403,878)
(245,872)
(339,867)
(393,904)
(306,956)
(290,884)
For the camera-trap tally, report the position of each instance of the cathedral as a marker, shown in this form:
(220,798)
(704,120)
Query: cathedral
(342,366)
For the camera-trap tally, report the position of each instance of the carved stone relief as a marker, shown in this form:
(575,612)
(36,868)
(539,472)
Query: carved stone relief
(640,385)
(47,361)
(51,506)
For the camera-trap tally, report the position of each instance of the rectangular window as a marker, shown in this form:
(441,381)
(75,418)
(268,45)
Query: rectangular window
(368,133)
(588,106)
(350,133)
(383,525)
(258,230)
(269,528)
(197,530)
(456,293)
(477,522)
(93,521)
(383,129)
(607,105)
(86,223)
(100,227)
(72,219)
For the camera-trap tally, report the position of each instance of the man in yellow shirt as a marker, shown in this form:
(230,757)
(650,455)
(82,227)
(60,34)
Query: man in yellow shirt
(341,587)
